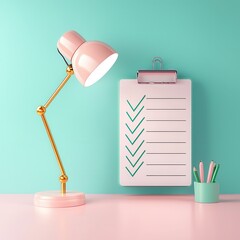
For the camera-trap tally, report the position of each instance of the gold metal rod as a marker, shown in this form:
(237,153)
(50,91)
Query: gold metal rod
(63,188)
(41,110)
(53,144)
(69,74)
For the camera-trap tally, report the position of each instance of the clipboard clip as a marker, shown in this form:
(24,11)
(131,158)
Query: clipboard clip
(157,76)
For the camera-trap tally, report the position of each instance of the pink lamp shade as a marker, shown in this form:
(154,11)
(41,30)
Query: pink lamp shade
(90,60)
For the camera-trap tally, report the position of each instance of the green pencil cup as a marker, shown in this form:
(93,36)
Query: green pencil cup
(206,192)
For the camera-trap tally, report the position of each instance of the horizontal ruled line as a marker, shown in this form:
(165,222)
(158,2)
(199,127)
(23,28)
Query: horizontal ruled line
(165,131)
(164,98)
(160,120)
(166,153)
(166,109)
(158,175)
(166,142)
(166,164)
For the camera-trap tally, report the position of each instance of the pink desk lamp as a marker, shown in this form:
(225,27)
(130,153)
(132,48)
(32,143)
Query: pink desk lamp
(90,62)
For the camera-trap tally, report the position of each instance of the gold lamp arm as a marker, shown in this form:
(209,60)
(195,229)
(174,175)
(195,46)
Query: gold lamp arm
(41,110)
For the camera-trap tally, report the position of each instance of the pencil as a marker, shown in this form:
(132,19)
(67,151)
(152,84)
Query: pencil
(215,173)
(210,172)
(195,173)
(201,170)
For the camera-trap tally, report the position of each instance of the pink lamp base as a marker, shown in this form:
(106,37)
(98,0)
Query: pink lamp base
(55,199)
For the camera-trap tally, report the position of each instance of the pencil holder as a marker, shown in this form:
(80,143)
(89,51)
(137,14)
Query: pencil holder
(206,192)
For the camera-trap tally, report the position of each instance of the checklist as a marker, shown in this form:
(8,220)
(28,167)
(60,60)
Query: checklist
(155,133)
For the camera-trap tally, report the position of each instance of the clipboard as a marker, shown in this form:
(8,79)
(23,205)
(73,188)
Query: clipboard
(155,129)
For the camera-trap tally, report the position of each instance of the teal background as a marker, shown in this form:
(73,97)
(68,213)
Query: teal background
(201,39)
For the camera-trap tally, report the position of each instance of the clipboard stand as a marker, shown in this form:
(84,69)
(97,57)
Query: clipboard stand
(157,76)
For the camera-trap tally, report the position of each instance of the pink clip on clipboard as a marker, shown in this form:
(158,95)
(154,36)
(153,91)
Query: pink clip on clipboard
(155,130)
(157,76)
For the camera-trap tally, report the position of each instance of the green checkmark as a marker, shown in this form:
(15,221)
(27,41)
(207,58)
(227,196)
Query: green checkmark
(137,104)
(135,138)
(132,174)
(133,154)
(133,131)
(133,119)
(133,165)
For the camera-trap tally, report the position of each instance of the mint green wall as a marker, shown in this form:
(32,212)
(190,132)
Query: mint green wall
(201,39)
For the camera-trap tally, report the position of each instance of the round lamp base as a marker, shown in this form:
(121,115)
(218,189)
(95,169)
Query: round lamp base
(55,199)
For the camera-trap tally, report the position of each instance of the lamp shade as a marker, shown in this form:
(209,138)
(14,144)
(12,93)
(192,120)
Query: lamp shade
(90,60)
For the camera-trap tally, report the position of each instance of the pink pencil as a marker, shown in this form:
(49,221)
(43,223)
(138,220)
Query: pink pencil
(201,170)
(210,171)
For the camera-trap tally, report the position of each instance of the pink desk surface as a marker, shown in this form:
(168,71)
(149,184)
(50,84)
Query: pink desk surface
(122,217)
